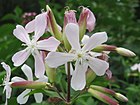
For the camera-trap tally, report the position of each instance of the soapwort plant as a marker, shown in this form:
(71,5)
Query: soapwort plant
(83,57)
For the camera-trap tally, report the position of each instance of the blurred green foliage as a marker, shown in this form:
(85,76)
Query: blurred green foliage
(119,18)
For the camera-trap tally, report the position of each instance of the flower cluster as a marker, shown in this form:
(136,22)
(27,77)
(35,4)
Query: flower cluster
(84,57)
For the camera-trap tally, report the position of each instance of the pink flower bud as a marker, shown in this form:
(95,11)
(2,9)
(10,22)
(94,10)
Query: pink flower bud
(102,89)
(102,97)
(105,48)
(69,17)
(86,21)
(30,84)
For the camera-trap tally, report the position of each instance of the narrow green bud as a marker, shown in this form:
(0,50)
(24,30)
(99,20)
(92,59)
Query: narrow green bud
(52,25)
(51,73)
(83,23)
(102,97)
(121,97)
(125,52)
(66,43)
(102,89)
(90,76)
(30,84)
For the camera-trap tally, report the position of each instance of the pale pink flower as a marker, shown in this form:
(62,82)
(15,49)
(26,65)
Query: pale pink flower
(7,82)
(33,45)
(22,98)
(82,56)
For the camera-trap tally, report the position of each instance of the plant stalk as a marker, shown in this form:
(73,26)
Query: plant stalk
(69,82)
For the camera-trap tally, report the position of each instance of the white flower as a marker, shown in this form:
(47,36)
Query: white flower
(33,45)
(7,82)
(22,98)
(82,56)
(136,67)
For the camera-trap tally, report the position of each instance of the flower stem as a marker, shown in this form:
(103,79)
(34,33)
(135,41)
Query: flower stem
(69,82)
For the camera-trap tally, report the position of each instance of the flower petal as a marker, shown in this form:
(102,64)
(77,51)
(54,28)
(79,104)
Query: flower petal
(78,80)
(109,74)
(90,21)
(8,70)
(21,34)
(38,97)
(134,67)
(43,79)
(40,25)
(72,34)
(98,66)
(17,79)
(85,39)
(28,72)
(30,27)
(55,59)
(49,44)
(8,91)
(95,40)
(39,64)
(21,99)
(20,57)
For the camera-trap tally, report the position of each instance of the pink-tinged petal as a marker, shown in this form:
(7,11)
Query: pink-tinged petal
(71,68)
(85,39)
(20,57)
(17,79)
(55,59)
(40,25)
(39,64)
(72,34)
(98,66)
(22,98)
(38,97)
(8,91)
(95,40)
(28,72)
(8,71)
(43,79)
(49,44)
(30,27)
(21,34)
(109,74)
(90,20)
(69,17)
(78,80)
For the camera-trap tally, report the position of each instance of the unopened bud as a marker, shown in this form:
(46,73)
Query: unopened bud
(125,52)
(102,97)
(86,21)
(121,97)
(90,76)
(52,25)
(104,48)
(51,73)
(102,89)
(68,18)
(30,84)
